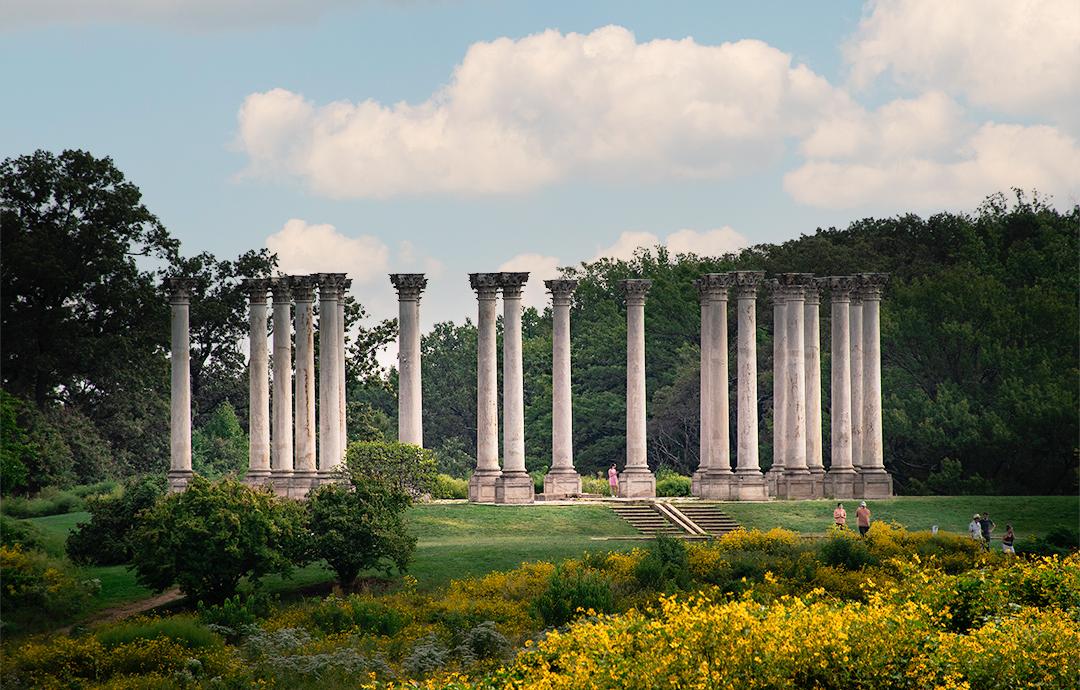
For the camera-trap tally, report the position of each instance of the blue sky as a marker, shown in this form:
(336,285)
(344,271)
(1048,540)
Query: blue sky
(451,137)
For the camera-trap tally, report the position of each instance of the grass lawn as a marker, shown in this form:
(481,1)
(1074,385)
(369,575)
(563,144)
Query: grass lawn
(1029,515)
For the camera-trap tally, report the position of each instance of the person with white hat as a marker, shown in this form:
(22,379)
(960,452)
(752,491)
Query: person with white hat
(974,530)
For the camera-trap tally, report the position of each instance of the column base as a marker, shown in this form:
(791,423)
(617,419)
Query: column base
(713,484)
(799,485)
(840,483)
(482,486)
(256,478)
(281,481)
(875,483)
(178,480)
(750,486)
(303,481)
(514,488)
(560,483)
(772,480)
(637,482)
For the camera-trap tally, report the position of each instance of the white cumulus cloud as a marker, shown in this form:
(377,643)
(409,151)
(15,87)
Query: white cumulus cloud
(519,114)
(540,268)
(714,242)
(1020,57)
(303,248)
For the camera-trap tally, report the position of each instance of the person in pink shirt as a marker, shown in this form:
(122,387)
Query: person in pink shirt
(613,480)
(839,516)
(862,518)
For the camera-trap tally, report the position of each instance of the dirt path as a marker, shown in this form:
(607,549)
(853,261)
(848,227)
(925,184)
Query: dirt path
(130,609)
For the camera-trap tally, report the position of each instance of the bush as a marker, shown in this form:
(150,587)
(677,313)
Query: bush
(186,631)
(567,595)
(105,540)
(39,590)
(401,465)
(338,615)
(846,551)
(235,613)
(208,537)
(360,524)
(676,485)
(666,565)
(595,485)
(447,487)
(59,503)
(220,446)
(22,533)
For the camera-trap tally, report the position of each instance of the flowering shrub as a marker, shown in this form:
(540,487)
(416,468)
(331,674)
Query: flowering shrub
(35,584)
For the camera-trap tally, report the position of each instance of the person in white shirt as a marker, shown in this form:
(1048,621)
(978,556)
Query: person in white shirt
(974,530)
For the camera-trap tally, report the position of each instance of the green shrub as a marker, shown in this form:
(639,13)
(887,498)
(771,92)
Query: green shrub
(565,594)
(105,540)
(59,503)
(446,487)
(39,591)
(22,533)
(337,615)
(845,551)
(186,631)
(537,477)
(401,465)
(207,538)
(101,488)
(666,565)
(676,485)
(595,485)
(235,613)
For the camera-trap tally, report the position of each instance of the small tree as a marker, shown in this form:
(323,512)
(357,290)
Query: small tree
(106,539)
(400,465)
(359,524)
(207,538)
(220,446)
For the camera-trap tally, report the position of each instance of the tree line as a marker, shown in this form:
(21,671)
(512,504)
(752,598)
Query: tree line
(979,343)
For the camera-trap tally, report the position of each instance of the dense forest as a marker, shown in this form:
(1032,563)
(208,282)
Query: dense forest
(980,347)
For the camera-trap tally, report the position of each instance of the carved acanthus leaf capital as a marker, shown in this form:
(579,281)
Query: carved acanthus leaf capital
(871,284)
(331,286)
(486,285)
(841,287)
(408,285)
(180,289)
(561,290)
(513,284)
(256,289)
(635,289)
(303,287)
(746,283)
(282,289)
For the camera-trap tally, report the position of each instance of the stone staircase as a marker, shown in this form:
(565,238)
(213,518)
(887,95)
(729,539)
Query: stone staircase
(709,517)
(690,521)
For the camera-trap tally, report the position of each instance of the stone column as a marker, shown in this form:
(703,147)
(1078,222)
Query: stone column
(343,432)
(482,482)
(180,401)
(812,369)
(562,480)
(779,451)
(305,473)
(636,481)
(717,480)
(750,482)
(281,458)
(410,397)
(514,484)
(876,481)
(840,480)
(797,481)
(855,324)
(330,375)
(258,384)
(705,398)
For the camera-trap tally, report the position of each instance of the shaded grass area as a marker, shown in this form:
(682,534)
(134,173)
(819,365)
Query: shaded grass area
(1030,516)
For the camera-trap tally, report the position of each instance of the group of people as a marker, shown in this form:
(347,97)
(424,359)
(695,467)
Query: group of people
(862,517)
(981,527)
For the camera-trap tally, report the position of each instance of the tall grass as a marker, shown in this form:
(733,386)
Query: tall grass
(54,501)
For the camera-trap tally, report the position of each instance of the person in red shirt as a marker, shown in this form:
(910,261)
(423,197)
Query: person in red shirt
(862,517)
(839,516)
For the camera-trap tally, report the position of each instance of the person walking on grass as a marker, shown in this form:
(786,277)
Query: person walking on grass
(862,518)
(986,526)
(839,516)
(974,531)
(613,480)
(1007,540)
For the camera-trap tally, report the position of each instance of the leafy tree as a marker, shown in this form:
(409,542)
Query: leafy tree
(359,524)
(106,539)
(15,449)
(452,458)
(402,465)
(220,446)
(207,538)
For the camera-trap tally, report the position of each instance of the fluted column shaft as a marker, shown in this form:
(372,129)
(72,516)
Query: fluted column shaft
(513,383)
(303,288)
(873,456)
(706,401)
(330,375)
(780,389)
(840,413)
(812,369)
(562,416)
(856,338)
(282,445)
(795,383)
(343,431)
(719,443)
(751,483)
(258,383)
(487,380)
(635,382)
(410,394)
(180,396)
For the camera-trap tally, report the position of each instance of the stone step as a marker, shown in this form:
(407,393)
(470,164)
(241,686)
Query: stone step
(646,519)
(710,518)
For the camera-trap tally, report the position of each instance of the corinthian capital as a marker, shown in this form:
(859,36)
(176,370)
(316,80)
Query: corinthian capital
(485,284)
(513,284)
(561,290)
(303,288)
(871,284)
(180,289)
(408,285)
(841,287)
(256,289)
(746,283)
(635,289)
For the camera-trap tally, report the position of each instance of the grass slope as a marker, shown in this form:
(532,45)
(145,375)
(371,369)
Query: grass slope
(1029,515)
